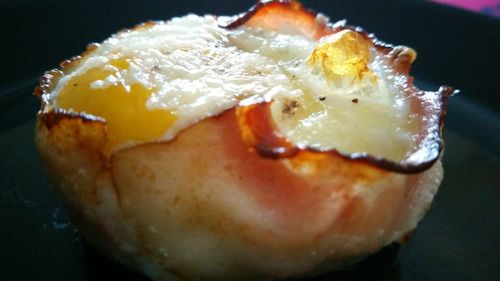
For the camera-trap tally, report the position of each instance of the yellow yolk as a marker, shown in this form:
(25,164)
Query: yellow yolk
(124,110)
(344,54)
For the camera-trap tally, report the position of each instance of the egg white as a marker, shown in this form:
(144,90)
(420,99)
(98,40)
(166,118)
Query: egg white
(198,69)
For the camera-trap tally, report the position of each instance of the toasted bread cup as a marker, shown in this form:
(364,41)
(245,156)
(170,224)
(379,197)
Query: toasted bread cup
(230,197)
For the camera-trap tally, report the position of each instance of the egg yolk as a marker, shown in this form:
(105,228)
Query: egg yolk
(122,106)
(345,54)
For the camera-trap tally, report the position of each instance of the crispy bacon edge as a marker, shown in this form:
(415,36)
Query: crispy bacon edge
(256,122)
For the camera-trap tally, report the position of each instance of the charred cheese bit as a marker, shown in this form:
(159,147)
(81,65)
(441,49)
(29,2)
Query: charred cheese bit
(123,106)
(345,54)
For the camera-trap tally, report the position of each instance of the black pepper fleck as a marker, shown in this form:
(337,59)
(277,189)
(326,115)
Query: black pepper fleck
(355,100)
(289,107)
(322,98)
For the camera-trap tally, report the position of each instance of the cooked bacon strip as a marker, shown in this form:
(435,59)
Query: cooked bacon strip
(283,16)
(256,121)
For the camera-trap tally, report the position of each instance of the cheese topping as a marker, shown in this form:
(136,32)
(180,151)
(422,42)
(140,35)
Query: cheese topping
(152,82)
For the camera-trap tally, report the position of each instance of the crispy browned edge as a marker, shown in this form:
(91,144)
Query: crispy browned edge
(51,117)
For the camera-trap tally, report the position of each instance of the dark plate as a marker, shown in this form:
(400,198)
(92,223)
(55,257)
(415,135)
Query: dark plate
(459,239)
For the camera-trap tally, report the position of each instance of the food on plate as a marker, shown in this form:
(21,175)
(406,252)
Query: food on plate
(271,144)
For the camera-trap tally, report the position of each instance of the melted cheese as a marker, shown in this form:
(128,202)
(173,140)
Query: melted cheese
(154,81)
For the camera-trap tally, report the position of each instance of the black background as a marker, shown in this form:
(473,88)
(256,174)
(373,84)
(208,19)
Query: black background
(459,239)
